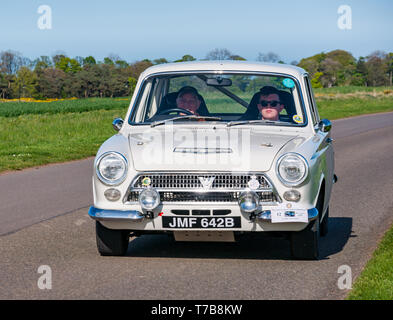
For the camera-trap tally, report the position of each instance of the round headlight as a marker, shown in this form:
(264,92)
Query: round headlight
(248,201)
(112,168)
(292,169)
(149,199)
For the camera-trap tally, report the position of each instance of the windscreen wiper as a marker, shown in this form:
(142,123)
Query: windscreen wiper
(157,123)
(238,123)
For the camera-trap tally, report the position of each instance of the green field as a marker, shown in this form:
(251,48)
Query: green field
(348,107)
(37,133)
(31,140)
(14,109)
(352,89)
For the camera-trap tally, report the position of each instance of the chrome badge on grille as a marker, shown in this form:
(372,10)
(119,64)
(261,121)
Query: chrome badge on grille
(253,183)
(206,182)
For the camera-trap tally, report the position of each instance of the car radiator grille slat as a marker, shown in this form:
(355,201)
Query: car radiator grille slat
(226,187)
(191,181)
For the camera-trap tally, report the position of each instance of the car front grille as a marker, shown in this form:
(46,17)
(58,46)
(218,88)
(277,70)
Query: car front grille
(202,187)
(192,181)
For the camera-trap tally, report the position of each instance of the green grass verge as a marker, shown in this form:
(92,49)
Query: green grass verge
(349,107)
(376,280)
(31,140)
(350,89)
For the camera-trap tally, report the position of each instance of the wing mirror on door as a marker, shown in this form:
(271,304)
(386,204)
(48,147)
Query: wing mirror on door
(325,125)
(117,124)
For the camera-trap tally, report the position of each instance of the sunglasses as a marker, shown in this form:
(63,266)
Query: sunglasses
(273,103)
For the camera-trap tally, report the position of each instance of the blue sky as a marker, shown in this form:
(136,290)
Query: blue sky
(152,29)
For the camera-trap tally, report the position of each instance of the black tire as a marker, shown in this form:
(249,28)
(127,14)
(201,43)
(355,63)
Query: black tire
(305,243)
(111,242)
(324,228)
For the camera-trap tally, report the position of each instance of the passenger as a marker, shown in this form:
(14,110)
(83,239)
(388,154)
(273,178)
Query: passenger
(269,104)
(264,105)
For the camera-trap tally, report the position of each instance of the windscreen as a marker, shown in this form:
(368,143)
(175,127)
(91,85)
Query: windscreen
(224,97)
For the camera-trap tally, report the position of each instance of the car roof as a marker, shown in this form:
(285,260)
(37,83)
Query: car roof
(227,65)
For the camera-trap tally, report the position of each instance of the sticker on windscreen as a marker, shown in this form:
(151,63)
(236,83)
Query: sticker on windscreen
(288,83)
(297,118)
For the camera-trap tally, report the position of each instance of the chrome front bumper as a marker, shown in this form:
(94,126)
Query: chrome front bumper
(136,216)
(115,215)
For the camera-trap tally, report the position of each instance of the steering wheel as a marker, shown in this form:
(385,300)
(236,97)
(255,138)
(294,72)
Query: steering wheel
(178,110)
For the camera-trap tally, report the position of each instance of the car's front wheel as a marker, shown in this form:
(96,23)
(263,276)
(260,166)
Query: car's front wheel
(305,243)
(111,242)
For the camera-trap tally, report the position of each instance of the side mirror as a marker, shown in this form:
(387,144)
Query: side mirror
(325,125)
(117,124)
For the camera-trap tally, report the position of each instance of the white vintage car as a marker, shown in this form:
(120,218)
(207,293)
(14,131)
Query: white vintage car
(213,150)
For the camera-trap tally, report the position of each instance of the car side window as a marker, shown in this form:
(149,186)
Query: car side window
(310,97)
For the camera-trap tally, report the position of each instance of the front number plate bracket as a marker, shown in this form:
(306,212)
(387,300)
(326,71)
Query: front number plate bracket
(213,236)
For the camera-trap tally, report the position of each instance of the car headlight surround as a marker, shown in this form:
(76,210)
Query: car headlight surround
(292,169)
(111,168)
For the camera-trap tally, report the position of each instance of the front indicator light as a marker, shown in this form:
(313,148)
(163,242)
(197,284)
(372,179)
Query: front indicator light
(112,194)
(292,195)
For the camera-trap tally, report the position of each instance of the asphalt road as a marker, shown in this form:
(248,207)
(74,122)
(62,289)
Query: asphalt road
(44,221)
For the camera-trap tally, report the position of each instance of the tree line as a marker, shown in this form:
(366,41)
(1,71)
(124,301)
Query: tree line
(61,76)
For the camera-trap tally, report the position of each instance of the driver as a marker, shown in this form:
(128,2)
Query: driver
(188,99)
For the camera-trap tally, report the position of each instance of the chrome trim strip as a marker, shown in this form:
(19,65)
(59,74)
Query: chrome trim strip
(201,190)
(266,215)
(202,150)
(115,215)
(203,203)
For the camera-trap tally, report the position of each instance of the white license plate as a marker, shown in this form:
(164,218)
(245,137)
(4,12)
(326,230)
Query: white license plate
(282,215)
(201,223)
